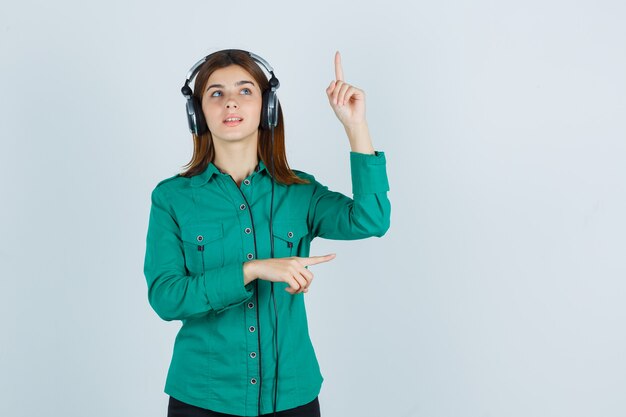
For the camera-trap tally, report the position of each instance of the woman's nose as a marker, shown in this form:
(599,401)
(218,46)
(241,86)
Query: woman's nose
(231,103)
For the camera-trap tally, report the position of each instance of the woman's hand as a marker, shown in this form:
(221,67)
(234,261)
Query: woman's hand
(347,101)
(291,270)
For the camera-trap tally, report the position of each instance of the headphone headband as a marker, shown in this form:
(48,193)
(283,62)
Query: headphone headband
(193,71)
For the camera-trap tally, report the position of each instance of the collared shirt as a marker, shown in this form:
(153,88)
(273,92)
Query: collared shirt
(201,231)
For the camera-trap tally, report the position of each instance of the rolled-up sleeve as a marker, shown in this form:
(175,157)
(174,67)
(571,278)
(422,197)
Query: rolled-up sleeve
(334,215)
(172,293)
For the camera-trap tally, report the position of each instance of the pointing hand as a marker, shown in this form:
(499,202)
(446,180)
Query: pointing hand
(347,101)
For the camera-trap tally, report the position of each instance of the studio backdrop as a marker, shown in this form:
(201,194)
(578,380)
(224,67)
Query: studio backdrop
(498,290)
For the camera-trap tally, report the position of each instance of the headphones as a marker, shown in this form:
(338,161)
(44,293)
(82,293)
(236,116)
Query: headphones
(269,107)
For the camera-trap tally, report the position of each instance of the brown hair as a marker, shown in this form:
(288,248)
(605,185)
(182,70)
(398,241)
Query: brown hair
(203,148)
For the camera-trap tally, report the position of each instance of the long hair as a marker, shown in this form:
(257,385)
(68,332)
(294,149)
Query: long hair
(203,148)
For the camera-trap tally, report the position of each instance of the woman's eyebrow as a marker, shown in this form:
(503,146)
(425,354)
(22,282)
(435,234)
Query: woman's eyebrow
(237,84)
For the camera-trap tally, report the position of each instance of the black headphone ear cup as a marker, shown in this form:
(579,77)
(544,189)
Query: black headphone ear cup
(265,110)
(201,126)
(269,110)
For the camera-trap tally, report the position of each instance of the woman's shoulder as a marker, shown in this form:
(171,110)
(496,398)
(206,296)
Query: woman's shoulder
(312,183)
(304,175)
(170,183)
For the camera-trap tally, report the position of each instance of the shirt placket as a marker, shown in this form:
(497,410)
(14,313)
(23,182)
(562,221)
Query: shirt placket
(251,306)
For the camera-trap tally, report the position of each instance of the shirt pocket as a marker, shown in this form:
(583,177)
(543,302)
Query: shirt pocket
(287,237)
(203,246)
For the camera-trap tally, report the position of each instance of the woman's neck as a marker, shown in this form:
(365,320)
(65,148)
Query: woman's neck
(237,161)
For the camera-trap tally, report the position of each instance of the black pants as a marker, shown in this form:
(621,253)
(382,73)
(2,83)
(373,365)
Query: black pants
(178,408)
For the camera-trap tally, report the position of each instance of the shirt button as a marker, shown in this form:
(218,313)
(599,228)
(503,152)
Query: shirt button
(250,256)
(250,305)
(242,207)
(252,329)
(253,355)
(246,181)
(200,238)
(290,234)
(253,381)
(247,230)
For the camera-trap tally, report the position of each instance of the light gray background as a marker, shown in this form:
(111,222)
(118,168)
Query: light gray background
(499,289)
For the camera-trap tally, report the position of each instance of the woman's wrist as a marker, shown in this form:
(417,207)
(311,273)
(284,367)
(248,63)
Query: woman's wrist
(249,272)
(359,138)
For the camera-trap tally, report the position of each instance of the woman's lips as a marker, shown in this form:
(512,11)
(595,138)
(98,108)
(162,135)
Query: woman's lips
(232,123)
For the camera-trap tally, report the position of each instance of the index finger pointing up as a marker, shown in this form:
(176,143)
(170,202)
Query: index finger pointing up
(338,69)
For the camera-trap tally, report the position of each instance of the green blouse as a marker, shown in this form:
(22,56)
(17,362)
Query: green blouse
(200,233)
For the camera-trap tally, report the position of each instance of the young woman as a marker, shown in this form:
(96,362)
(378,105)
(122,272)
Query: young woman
(228,242)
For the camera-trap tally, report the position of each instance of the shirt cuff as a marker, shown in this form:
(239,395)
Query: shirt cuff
(225,287)
(369,172)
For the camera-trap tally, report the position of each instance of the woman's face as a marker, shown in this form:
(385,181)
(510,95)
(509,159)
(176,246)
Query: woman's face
(231,104)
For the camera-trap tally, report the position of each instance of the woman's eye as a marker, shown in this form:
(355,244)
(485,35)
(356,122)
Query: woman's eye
(213,94)
(246,91)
